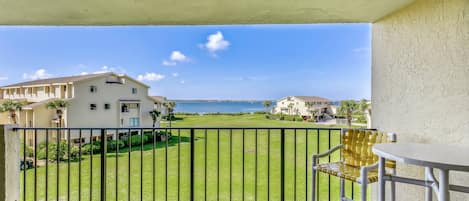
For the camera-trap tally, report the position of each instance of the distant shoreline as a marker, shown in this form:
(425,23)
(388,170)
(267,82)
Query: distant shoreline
(222,106)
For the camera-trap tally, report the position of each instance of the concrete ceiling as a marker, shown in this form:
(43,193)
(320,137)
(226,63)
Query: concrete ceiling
(192,12)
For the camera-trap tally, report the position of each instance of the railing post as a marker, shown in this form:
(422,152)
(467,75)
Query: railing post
(282,164)
(9,164)
(103,164)
(192,164)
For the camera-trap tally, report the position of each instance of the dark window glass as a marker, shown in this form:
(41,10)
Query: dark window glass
(124,108)
(92,106)
(93,89)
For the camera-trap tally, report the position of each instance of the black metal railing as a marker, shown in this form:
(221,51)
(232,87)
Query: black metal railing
(175,163)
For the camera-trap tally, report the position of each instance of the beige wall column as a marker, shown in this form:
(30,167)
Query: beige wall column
(9,164)
(420,80)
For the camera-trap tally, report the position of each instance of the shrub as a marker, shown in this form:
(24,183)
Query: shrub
(136,140)
(54,151)
(284,117)
(187,113)
(299,118)
(261,112)
(29,150)
(74,153)
(95,147)
(227,113)
(157,135)
(150,135)
(167,117)
(113,144)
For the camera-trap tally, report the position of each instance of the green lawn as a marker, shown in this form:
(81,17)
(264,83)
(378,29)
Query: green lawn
(120,165)
(256,120)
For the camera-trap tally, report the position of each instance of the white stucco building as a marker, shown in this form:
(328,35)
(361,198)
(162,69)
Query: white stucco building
(298,105)
(95,101)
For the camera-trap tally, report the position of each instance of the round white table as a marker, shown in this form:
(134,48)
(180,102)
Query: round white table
(439,156)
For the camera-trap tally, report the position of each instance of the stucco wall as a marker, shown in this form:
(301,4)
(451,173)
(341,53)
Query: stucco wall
(420,80)
(79,114)
(299,106)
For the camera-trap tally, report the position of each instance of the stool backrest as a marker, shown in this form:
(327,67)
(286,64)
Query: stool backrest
(358,144)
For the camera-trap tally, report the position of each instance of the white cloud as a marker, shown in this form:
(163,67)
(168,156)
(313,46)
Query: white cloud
(106,69)
(216,42)
(247,78)
(175,74)
(38,74)
(361,49)
(182,82)
(168,63)
(3,78)
(81,66)
(178,56)
(150,77)
(175,58)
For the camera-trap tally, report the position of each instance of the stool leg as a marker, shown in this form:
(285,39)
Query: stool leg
(363,193)
(381,182)
(443,194)
(393,191)
(363,183)
(342,189)
(313,180)
(428,189)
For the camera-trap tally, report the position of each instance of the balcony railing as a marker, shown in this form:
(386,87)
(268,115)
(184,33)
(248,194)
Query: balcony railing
(175,163)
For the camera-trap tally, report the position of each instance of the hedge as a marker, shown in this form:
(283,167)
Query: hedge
(136,140)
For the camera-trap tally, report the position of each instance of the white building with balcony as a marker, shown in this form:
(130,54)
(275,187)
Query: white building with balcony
(95,101)
(303,106)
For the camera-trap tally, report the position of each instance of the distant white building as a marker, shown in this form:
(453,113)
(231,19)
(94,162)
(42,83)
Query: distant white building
(159,104)
(303,105)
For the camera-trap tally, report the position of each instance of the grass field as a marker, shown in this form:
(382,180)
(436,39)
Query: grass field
(217,151)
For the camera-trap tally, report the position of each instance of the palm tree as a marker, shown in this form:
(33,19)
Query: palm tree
(154,116)
(348,108)
(267,104)
(59,106)
(11,107)
(309,105)
(170,105)
(314,113)
(290,108)
(365,109)
(364,106)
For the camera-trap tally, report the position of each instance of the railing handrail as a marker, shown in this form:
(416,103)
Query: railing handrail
(163,128)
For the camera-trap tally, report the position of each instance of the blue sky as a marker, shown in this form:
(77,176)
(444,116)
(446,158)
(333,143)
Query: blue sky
(201,62)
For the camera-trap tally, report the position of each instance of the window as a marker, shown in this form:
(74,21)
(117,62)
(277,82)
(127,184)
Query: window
(107,106)
(133,105)
(124,108)
(92,106)
(134,122)
(134,90)
(93,89)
